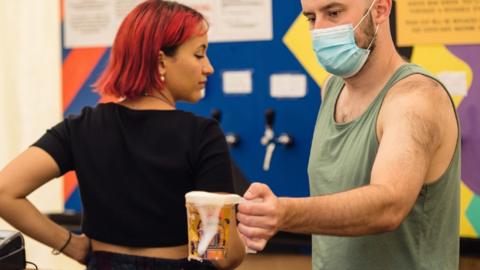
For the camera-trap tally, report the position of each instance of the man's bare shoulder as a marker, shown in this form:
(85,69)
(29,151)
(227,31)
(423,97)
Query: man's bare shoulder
(418,91)
(419,103)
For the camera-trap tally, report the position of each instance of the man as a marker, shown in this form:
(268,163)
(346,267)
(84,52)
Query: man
(384,167)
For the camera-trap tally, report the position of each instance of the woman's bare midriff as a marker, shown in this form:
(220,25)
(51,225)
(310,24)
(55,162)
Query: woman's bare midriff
(175,253)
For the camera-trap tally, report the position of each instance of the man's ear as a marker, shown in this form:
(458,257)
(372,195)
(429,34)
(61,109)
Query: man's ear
(161,63)
(382,10)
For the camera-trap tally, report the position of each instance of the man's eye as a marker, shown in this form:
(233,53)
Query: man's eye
(311,19)
(199,56)
(334,13)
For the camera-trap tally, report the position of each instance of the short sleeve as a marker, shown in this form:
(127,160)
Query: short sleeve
(56,142)
(213,166)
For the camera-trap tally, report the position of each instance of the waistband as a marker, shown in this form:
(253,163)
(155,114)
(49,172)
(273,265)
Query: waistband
(103,260)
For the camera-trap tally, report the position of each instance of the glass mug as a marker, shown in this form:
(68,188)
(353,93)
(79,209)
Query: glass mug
(209,216)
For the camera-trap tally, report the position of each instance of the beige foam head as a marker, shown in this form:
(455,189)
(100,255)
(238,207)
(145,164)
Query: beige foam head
(208,198)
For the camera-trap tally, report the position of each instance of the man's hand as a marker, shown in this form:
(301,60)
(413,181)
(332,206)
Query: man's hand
(260,217)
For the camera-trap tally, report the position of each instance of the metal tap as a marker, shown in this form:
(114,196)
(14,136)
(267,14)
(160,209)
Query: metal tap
(231,138)
(268,139)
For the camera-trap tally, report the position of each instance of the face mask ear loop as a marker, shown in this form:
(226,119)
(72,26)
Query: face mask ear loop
(364,16)
(373,39)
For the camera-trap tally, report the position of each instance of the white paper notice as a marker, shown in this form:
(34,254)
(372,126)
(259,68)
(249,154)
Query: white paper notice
(236,20)
(94,23)
(237,82)
(455,82)
(288,85)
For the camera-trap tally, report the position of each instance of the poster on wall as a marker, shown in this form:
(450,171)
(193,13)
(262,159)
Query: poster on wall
(93,23)
(236,20)
(438,22)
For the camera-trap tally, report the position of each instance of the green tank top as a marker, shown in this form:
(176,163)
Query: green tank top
(342,157)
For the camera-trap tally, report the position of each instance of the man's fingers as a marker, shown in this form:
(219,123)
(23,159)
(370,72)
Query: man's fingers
(257,190)
(257,219)
(257,201)
(264,222)
(255,244)
(256,208)
(255,232)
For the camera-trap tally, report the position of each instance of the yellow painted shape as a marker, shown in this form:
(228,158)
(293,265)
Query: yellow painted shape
(466,228)
(299,42)
(437,59)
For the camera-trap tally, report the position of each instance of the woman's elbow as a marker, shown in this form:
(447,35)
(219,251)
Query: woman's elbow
(232,262)
(3,196)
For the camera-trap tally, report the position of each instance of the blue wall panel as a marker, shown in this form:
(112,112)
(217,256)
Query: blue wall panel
(244,114)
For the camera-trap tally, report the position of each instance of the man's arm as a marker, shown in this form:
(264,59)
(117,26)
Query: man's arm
(410,135)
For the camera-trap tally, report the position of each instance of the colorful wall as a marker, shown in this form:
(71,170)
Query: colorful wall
(289,52)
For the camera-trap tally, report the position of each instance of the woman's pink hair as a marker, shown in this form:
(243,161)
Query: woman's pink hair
(153,26)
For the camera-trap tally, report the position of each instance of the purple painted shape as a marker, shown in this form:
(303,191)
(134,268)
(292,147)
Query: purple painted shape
(469,113)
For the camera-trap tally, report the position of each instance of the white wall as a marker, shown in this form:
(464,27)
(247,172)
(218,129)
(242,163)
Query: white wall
(30,98)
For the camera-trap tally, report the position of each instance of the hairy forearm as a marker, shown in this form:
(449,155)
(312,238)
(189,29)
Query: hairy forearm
(366,210)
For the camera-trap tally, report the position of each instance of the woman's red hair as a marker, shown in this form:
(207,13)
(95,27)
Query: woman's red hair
(153,26)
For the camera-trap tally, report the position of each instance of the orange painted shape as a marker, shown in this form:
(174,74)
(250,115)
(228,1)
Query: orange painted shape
(69,185)
(77,66)
(62,11)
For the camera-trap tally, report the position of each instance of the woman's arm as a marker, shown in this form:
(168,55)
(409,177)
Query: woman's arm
(214,174)
(18,179)
(235,248)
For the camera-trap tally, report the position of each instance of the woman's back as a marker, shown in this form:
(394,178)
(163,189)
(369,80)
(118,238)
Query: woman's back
(134,167)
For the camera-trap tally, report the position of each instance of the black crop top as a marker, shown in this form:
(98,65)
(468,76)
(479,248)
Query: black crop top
(134,168)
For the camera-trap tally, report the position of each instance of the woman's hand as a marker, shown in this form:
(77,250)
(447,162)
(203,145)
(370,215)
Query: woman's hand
(78,248)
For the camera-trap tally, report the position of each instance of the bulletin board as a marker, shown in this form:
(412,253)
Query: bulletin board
(285,57)
(241,113)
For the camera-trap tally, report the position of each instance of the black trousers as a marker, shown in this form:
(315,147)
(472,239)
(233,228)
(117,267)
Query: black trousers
(101,260)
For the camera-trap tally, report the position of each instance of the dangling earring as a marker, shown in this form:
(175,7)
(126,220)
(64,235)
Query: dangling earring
(162,78)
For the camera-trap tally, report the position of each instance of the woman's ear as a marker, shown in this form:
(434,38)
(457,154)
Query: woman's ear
(161,63)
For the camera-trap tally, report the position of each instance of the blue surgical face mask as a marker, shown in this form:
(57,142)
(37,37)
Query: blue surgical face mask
(337,51)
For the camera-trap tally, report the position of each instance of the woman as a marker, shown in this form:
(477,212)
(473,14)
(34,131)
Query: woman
(134,159)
